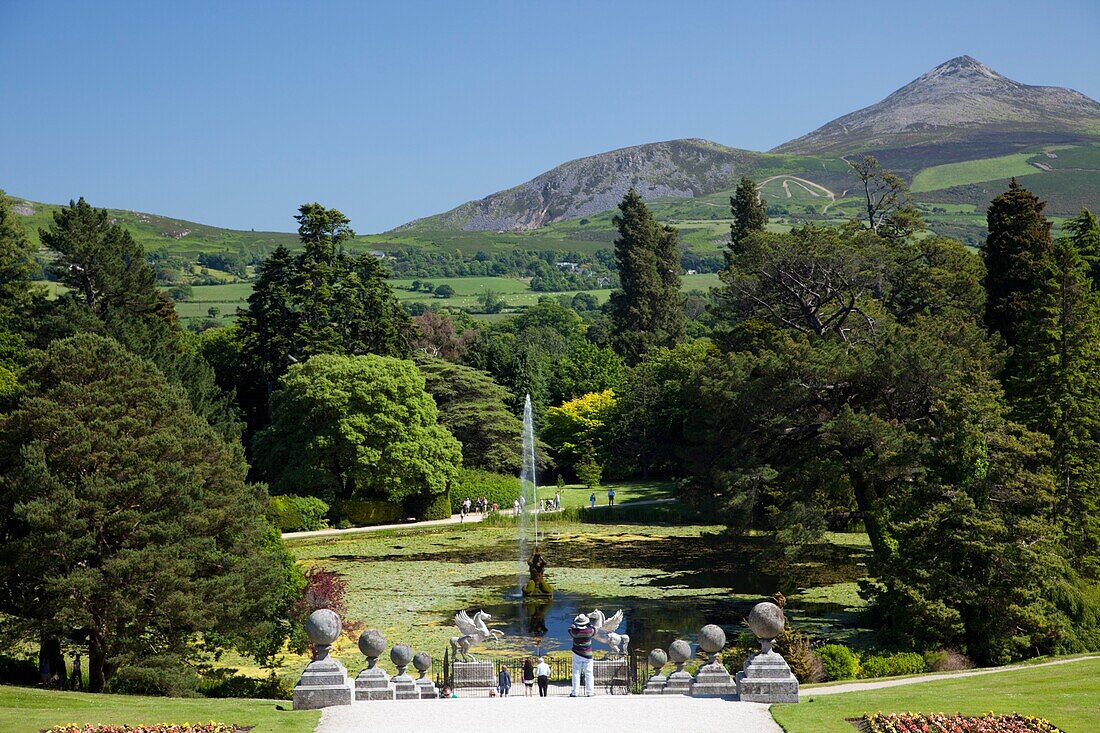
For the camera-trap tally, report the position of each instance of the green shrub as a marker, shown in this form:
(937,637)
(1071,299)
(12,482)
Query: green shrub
(795,647)
(890,665)
(297,513)
(164,675)
(497,488)
(838,661)
(15,671)
(365,512)
(235,685)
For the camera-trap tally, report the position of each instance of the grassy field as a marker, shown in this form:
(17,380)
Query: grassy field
(1068,695)
(25,710)
(516,293)
(577,496)
(973,171)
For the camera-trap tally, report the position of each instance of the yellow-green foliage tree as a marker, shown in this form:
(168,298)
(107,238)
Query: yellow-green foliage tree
(579,426)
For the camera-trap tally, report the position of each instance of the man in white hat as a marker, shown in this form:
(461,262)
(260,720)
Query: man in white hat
(582,633)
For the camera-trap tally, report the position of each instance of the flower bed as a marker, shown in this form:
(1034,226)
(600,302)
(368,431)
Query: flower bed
(210,727)
(939,723)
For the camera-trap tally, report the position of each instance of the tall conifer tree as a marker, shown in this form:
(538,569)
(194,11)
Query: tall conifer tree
(648,312)
(750,214)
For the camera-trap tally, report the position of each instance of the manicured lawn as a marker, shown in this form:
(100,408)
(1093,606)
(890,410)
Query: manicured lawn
(973,171)
(577,496)
(27,710)
(1067,695)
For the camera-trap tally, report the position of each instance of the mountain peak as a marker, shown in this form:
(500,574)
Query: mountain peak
(962,98)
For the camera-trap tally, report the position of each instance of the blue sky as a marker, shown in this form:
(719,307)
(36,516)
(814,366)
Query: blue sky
(233,113)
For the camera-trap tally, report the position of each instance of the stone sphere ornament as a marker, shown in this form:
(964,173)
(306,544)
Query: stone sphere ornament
(679,652)
(323,628)
(423,662)
(657,659)
(401,655)
(372,643)
(712,639)
(766,621)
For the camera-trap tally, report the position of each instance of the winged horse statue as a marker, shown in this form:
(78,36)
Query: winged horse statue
(474,631)
(605,632)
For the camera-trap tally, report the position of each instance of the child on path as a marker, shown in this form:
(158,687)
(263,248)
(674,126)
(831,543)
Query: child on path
(504,681)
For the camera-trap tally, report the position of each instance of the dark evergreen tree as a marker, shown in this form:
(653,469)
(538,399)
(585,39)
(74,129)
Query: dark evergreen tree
(1084,232)
(113,292)
(321,301)
(648,312)
(750,213)
(19,300)
(1019,261)
(475,409)
(125,520)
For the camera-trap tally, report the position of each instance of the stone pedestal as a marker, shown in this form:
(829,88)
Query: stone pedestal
(767,678)
(324,682)
(610,673)
(678,683)
(427,689)
(373,684)
(474,674)
(404,688)
(713,680)
(655,685)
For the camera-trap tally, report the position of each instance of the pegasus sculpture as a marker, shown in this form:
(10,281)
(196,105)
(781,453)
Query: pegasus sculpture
(606,632)
(474,631)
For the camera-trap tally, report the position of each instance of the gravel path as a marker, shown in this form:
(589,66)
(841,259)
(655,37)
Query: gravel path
(879,684)
(605,714)
(454,519)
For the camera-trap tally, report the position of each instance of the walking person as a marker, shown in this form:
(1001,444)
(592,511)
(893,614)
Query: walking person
(557,500)
(592,501)
(542,672)
(582,633)
(610,496)
(504,681)
(528,677)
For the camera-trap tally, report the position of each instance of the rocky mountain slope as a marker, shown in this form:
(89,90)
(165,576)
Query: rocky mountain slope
(673,169)
(961,99)
(961,110)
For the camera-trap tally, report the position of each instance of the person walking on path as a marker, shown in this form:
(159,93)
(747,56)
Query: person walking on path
(504,681)
(610,496)
(528,678)
(557,500)
(542,672)
(592,501)
(582,633)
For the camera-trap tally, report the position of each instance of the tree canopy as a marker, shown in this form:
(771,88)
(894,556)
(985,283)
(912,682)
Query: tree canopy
(360,427)
(126,519)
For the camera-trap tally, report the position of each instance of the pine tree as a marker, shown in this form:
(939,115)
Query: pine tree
(322,301)
(125,520)
(1019,260)
(750,214)
(1084,232)
(113,292)
(1050,314)
(648,312)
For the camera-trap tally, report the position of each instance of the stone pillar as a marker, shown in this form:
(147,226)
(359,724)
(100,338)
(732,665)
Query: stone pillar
(423,663)
(766,676)
(474,675)
(610,673)
(325,680)
(372,683)
(655,685)
(679,682)
(712,679)
(404,688)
